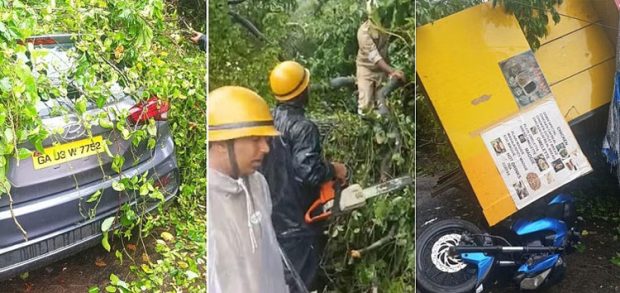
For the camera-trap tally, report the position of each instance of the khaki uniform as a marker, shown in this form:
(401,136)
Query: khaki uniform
(373,46)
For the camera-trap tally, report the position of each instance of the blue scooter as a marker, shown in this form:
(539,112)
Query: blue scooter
(455,256)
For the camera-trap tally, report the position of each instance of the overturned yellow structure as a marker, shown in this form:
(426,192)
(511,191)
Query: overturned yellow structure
(457,64)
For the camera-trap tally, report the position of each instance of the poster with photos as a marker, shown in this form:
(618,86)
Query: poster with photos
(525,78)
(535,152)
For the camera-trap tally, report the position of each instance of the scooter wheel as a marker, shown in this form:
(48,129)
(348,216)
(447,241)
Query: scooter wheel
(436,269)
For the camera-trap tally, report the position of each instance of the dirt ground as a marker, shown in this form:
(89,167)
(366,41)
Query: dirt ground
(587,271)
(77,273)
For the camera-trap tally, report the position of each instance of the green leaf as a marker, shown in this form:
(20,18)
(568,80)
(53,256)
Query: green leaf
(80,105)
(107,224)
(8,134)
(24,276)
(144,190)
(94,197)
(114,279)
(104,242)
(151,143)
(5,83)
(191,275)
(152,128)
(146,268)
(126,134)
(38,144)
(119,256)
(117,163)
(93,290)
(128,218)
(118,186)
(615,260)
(5,186)
(167,236)
(580,247)
(123,285)
(156,194)
(106,123)
(100,101)
(110,288)
(24,153)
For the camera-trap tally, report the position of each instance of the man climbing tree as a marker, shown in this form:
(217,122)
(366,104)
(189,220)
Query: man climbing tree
(372,63)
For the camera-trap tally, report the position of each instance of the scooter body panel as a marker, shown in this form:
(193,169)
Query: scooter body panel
(561,198)
(540,266)
(482,261)
(524,227)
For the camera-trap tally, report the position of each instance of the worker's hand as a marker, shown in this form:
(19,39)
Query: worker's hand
(398,74)
(195,37)
(340,171)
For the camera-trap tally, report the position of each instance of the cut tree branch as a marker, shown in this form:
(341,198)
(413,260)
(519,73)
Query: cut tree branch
(358,253)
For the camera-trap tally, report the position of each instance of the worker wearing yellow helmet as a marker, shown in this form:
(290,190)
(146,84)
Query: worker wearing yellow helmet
(244,255)
(372,63)
(295,169)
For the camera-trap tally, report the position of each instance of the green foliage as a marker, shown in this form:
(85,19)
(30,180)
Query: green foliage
(322,36)
(430,10)
(236,57)
(533,16)
(141,46)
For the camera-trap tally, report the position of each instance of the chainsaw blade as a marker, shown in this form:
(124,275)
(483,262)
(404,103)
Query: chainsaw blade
(388,186)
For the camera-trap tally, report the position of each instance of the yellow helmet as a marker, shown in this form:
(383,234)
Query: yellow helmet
(235,112)
(288,79)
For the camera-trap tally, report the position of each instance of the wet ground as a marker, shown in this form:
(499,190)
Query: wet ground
(598,202)
(77,273)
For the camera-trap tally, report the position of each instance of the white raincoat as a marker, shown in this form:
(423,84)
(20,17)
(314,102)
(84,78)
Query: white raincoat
(243,253)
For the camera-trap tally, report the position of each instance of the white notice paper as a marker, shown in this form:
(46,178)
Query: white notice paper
(535,152)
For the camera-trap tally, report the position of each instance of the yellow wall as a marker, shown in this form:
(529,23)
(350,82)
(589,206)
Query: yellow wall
(578,59)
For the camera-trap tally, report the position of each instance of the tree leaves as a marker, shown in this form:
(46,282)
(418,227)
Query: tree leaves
(117,163)
(323,37)
(532,16)
(124,42)
(23,153)
(107,224)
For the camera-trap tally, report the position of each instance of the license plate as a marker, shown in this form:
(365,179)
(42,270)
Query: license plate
(66,152)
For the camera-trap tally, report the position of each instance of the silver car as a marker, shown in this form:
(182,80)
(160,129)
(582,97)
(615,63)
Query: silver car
(50,190)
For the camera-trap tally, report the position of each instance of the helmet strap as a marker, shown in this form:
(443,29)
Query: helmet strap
(230,145)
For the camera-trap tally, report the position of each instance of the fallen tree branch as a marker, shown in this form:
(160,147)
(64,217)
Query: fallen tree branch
(248,25)
(358,253)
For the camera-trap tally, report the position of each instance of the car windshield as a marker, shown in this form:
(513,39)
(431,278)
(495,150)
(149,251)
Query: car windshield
(57,61)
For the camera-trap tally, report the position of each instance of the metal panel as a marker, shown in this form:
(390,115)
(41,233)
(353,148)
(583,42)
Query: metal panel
(457,63)
(585,91)
(574,53)
(577,57)
(574,15)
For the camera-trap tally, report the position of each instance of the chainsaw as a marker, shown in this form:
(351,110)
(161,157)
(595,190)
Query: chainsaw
(335,200)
